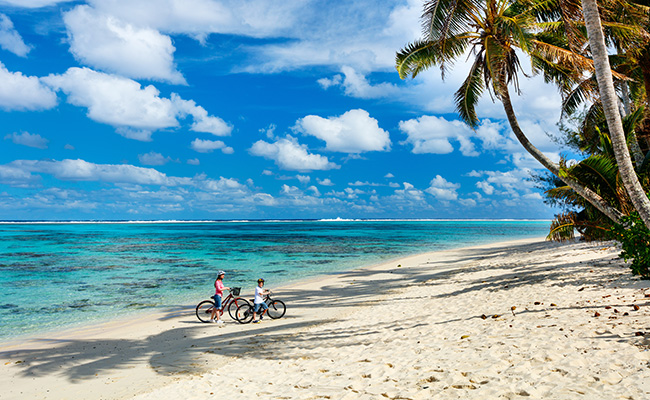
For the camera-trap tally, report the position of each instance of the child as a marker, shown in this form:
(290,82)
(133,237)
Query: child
(218,293)
(260,305)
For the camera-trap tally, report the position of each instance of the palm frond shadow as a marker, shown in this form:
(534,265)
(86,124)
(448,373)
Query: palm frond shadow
(84,359)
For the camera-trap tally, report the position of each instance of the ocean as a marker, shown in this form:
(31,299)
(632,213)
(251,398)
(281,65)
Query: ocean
(62,275)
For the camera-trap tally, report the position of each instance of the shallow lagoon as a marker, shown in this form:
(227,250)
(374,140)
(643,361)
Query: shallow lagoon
(55,275)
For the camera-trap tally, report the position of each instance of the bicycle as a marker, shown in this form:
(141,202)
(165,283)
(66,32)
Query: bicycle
(230,303)
(276,309)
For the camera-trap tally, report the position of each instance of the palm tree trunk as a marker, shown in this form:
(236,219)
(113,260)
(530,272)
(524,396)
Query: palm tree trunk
(626,110)
(610,106)
(588,194)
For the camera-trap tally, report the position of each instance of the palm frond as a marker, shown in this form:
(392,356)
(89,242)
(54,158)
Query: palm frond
(562,227)
(469,93)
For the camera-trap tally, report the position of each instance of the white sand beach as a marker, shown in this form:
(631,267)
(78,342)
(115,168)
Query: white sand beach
(524,319)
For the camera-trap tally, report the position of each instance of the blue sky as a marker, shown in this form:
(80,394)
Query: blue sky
(241,109)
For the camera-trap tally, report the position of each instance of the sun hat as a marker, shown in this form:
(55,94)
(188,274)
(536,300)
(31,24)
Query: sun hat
(221,273)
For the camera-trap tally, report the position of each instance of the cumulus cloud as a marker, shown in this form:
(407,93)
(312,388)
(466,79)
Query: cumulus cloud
(126,105)
(10,39)
(409,197)
(356,85)
(326,83)
(290,155)
(20,92)
(28,139)
(353,132)
(104,42)
(202,121)
(115,100)
(325,182)
(153,158)
(486,187)
(304,179)
(208,146)
(16,177)
(430,134)
(513,183)
(441,189)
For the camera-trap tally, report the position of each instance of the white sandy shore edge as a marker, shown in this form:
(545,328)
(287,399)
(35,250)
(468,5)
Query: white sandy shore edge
(410,332)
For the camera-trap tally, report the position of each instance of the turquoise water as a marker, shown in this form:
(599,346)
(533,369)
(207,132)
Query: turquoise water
(58,275)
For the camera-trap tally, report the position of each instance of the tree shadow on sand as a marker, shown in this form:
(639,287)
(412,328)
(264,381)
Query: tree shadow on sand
(184,350)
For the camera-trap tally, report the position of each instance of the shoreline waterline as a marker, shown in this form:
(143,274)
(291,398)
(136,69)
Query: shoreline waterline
(47,337)
(58,275)
(360,331)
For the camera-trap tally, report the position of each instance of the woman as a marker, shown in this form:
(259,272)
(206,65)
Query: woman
(218,293)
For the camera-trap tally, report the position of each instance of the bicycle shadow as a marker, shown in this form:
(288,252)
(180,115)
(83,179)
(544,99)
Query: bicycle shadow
(195,347)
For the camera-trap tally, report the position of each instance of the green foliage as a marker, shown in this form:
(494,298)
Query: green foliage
(634,237)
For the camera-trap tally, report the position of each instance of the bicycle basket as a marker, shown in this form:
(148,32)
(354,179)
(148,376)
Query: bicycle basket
(235,291)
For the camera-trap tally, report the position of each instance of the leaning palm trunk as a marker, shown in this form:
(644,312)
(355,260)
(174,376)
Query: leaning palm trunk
(588,194)
(610,107)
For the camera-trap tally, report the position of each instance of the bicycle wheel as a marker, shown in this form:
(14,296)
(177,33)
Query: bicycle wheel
(244,313)
(276,309)
(234,305)
(204,310)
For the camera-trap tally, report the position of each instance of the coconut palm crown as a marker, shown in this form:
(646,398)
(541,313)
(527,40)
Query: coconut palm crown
(493,31)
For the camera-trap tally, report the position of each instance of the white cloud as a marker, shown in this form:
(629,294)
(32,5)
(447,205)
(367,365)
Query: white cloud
(331,36)
(526,161)
(114,100)
(28,139)
(290,155)
(269,131)
(304,179)
(153,158)
(123,103)
(486,187)
(441,189)
(208,146)
(366,183)
(128,178)
(389,175)
(107,43)
(325,182)
(194,161)
(198,18)
(409,197)
(314,191)
(353,132)
(326,83)
(80,170)
(202,121)
(20,92)
(33,3)
(430,134)
(10,39)
(16,177)
(513,183)
(357,85)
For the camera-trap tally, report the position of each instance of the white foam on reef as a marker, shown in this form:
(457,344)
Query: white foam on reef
(338,219)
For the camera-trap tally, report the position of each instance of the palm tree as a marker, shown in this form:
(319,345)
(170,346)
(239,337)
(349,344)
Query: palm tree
(609,101)
(493,30)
